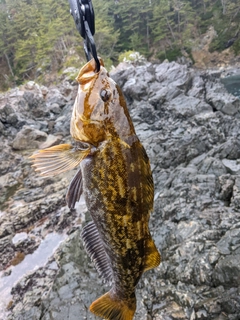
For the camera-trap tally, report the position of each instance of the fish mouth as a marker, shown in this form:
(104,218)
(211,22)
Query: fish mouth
(88,71)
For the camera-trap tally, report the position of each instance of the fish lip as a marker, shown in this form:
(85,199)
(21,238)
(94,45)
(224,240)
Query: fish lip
(88,71)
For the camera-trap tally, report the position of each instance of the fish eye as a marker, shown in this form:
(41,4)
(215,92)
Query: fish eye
(105,95)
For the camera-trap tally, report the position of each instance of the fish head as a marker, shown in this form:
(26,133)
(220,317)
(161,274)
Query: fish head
(100,110)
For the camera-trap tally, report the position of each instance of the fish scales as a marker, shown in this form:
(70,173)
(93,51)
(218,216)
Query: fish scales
(115,177)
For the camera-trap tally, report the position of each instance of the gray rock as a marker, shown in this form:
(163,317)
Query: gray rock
(51,141)
(36,104)
(55,108)
(217,96)
(232,166)
(28,138)
(19,238)
(71,296)
(2,128)
(189,106)
(190,128)
(5,111)
(227,271)
(54,96)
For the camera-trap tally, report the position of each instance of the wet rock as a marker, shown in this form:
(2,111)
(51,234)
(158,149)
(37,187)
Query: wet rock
(70,295)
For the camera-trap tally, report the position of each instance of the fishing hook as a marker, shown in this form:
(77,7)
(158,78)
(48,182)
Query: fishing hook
(83,15)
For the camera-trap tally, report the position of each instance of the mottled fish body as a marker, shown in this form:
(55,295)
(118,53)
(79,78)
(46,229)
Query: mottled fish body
(116,180)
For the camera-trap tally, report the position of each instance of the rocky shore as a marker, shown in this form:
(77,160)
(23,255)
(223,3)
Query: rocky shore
(190,127)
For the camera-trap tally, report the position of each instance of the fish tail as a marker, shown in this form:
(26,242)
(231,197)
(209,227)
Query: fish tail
(110,307)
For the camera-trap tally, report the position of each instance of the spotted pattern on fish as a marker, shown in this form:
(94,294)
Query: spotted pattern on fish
(123,192)
(115,178)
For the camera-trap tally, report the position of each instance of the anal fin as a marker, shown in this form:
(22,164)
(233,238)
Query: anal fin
(95,249)
(152,256)
(75,190)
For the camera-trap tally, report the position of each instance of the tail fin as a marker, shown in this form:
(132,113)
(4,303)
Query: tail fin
(110,307)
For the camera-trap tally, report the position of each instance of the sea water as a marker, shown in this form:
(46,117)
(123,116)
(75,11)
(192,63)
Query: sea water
(30,263)
(232,84)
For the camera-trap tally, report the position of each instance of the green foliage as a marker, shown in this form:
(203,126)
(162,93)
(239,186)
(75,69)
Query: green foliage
(106,36)
(236,47)
(131,57)
(170,55)
(41,33)
(108,64)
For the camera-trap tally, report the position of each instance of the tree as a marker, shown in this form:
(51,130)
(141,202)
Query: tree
(39,34)
(106,37)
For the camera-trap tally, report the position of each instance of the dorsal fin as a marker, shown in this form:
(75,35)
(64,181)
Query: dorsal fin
(75,190)
(95,249)
(152,256)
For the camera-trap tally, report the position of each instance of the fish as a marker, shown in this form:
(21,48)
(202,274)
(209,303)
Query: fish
(115,177)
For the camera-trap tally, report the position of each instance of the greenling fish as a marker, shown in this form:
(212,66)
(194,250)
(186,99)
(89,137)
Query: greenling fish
(115,177)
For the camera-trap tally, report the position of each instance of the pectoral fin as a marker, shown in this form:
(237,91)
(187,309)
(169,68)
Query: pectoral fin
(75,190)
(58,159)
(152,256)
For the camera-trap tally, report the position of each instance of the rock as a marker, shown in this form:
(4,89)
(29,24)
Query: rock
(235,200)
(36,103)
(190,128)
(19,238)
(31,85)
(62,123)
(1,128)
(5,111)
(232,166)
(227,271)
(55,96)
(223,102)
(28,138)
(55,108)
(44,91)
(51,141)
(189,106)
(226,183)
(228,242)
(71,258)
